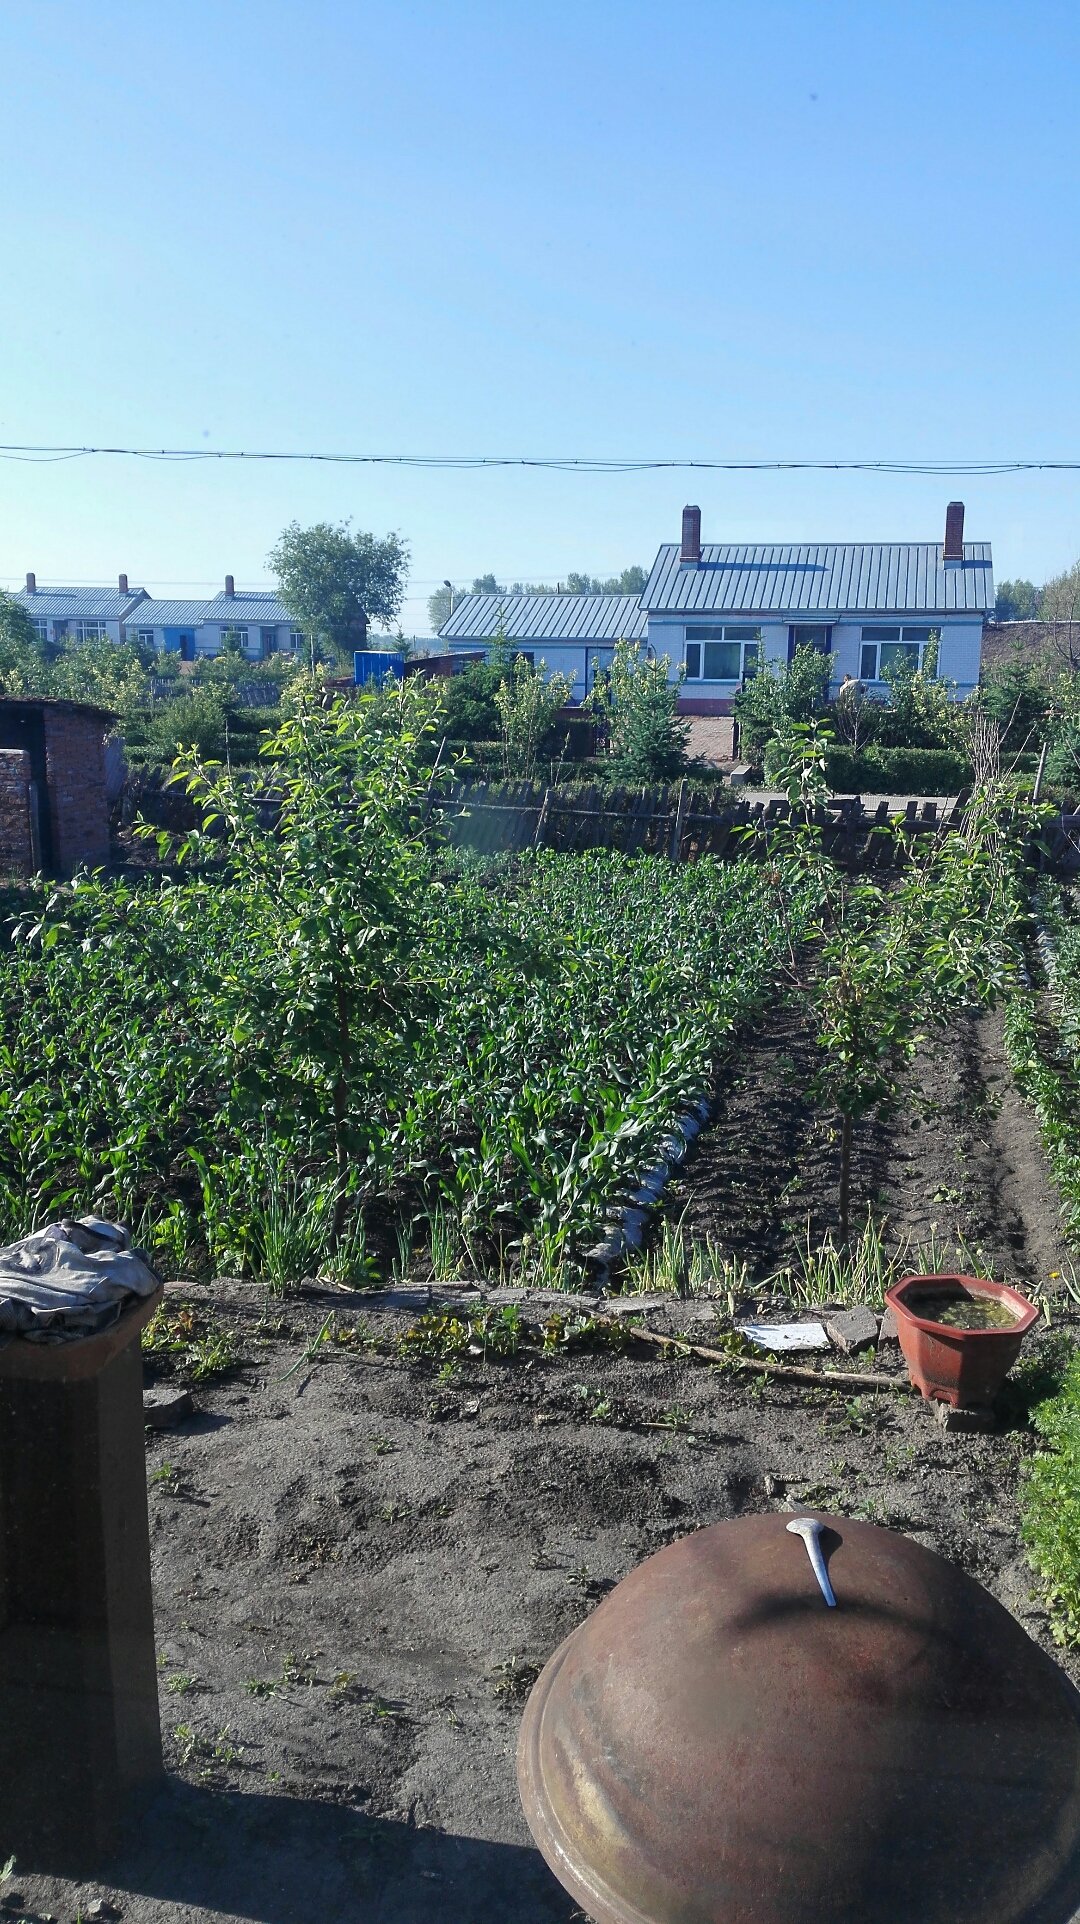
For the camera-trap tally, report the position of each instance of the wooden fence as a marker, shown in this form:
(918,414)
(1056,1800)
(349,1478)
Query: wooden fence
(681,822)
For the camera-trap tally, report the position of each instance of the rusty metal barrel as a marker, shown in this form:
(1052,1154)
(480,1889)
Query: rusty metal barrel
(715,1744)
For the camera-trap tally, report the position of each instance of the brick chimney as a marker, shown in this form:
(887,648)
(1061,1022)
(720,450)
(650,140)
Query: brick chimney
(691,535)
(230,585)
(31,584)
(954,532)
(124,589)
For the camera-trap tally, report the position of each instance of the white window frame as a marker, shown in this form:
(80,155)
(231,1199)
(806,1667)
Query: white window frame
(230,632)
(701,636)
(146,637)
(877,635)
(40,627)
(91,631)
(296,639)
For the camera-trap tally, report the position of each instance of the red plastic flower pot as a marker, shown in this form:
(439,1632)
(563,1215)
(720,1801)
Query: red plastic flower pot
(963,1367)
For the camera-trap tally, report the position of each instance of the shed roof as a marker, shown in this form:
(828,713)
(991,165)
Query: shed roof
(249,605)
(79,604)
(546,618)
(169,614)
(57,704)
(883,577)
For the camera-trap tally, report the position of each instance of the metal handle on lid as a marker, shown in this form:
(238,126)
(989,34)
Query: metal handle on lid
(810,1530)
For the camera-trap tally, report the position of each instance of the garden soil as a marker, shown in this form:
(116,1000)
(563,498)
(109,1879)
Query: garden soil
(359,1566)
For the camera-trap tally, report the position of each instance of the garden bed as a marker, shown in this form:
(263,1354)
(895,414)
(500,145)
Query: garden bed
(360,1561)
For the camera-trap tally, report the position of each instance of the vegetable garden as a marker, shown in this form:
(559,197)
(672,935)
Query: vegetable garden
(313,1046)
(320,1044)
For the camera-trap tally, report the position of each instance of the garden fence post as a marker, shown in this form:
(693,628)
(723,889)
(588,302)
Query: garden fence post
(680,817)
(541,819)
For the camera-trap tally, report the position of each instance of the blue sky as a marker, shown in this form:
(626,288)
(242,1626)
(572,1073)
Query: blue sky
(792,227)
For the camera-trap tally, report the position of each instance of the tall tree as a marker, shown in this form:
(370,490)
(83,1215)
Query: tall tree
(20,651)
(1059,599)
(1016,601)
(334,582)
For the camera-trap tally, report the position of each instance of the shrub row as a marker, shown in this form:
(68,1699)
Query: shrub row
(897,771)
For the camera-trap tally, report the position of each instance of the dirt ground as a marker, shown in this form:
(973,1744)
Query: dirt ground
(359,1566)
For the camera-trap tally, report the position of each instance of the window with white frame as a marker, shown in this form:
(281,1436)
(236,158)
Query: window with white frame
(146,637)
(91,631)
(722,652)
(232,638)
(882,648)
(41,629)
(296,639)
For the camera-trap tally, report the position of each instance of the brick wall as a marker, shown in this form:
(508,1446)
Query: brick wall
(16,843)
(78,802)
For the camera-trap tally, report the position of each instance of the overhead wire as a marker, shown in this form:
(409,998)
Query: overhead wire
(565,464)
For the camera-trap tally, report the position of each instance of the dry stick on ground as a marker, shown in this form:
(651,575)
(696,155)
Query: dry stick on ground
(788,1372)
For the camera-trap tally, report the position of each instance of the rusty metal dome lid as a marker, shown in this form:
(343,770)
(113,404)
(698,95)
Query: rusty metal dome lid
(716,1745)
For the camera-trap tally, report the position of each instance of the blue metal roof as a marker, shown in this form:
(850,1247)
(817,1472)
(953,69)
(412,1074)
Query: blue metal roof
(168,614)
(248,606)
(901,577)
(79,604)
(581,618)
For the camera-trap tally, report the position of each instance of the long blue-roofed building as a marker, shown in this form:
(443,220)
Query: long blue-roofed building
(718,610)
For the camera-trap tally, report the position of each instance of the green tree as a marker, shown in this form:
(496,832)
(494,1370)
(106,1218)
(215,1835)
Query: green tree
(1016,601)
(527,701)
(335,582)
(636,703)
(332,892)
(781,693)
(1018,694)
(21,655)
(1059,598)
(922,710)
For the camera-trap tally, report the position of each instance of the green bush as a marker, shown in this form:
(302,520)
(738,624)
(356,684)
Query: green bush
(894,771)
(469,711)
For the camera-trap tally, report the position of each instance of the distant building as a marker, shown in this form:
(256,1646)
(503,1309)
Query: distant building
(79,614)
(256,620)
(719,610)
(574,634)
(169,627)
(253,622)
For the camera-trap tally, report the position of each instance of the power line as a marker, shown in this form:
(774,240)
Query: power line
(565,464)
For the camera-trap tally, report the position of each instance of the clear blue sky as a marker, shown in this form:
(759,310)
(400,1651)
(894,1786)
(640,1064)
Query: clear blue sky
(791,227)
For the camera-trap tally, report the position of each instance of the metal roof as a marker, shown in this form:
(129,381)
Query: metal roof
(169,614)
(546,618)
(899,577)
(79,604)
(248,606)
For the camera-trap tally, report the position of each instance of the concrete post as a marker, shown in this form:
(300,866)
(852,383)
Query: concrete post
(79,1729)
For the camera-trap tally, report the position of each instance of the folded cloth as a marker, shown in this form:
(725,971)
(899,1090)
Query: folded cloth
(70,1279)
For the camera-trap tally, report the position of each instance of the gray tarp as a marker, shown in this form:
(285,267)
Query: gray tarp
(70,1279)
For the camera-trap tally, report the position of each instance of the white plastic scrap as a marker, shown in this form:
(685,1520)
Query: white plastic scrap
(786,1335)
(70,1279)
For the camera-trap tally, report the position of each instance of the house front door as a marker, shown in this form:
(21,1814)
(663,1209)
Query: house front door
(809,634)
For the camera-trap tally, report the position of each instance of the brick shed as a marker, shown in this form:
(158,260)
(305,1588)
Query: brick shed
(54,810)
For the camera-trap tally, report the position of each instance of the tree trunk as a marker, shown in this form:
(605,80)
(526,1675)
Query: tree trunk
(341,1115)
(847,1131)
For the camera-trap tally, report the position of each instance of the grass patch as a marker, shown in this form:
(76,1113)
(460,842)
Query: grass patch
(1050,1505)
